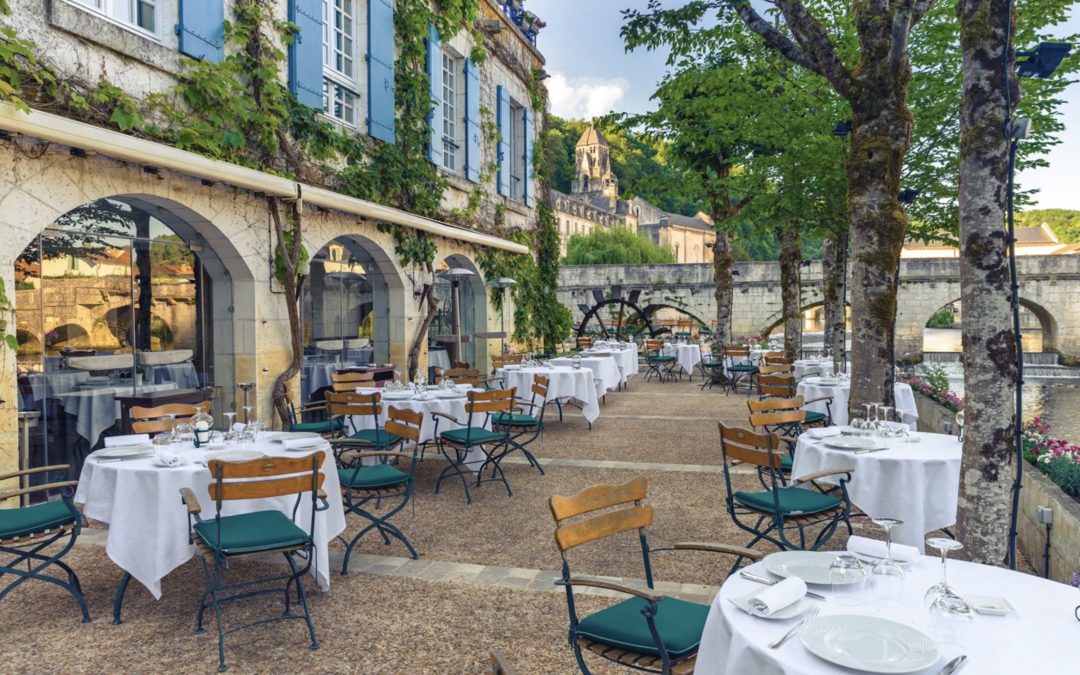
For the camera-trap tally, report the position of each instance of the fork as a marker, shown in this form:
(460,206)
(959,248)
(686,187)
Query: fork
(810,615)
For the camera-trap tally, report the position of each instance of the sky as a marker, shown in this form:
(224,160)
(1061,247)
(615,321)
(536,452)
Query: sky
(591,74)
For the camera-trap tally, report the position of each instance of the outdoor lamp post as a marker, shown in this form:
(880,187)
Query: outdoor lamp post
(456,275)
(503,283)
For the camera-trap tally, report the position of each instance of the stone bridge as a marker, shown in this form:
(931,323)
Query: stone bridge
(1049,289)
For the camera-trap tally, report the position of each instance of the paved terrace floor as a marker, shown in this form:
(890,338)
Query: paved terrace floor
(484,579)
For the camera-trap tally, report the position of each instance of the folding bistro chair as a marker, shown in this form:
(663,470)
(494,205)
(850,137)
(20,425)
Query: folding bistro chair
(27,531)
(349,381)
(456,444)
(647,631)
(778,402)
(500,360)
(346,407)
(526,424)
(780,507)
(259,533)
(328,428)
(714,371)
(362,483)
(583,342)
(656,362)
(740,366)
(771,384)
(161,418)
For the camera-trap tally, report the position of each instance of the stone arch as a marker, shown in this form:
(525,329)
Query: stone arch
(653,308)
(1048,323)
(67,335)
(777,318)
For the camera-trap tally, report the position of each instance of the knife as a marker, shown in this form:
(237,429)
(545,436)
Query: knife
(769,582)
(954,665)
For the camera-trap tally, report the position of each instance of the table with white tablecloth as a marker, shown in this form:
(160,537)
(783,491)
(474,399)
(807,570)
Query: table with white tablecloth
(605,370)
(97,409)
(564,383)
(1039,638)
(52,383)
(183,374)
(625,355)
(316,375)
(438,358)
(812,387)
(915,482)
(148,524)
(686,355)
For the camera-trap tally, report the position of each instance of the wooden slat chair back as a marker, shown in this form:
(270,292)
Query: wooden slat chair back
(342,382)
(351,403)
(278,477)
(737,351)
(785,418)
(461,365)
(156,420)
(635,516)
(775,369)
(540,388)
(463,376)
(584,342)
(774,404)
(652,345)
(488,402)
(500,360)
(777,360)
(774,354)
(776,384)
(749,447)
(405,423)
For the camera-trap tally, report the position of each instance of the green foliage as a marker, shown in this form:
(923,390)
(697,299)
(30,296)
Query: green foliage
(614,246)
(1064,222)
(936,377)
(942,318)
(6,310)
(1065,472)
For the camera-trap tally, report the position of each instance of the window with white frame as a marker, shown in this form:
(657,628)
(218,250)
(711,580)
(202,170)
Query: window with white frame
(340,72)
(141,14)
(517,151)
(453,94)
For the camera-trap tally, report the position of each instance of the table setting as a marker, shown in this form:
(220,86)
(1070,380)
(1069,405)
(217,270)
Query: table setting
(624,353)
(565,382)
(605,369)
(878,607)
(133,485)
(687,355)
(839,388)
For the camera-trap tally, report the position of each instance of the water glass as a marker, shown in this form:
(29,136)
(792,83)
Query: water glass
(942,587)
(887,576)
(951,618)
(847,576)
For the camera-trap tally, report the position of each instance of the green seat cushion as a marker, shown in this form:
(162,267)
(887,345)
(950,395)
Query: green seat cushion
(376,437)
(713,364)
(794,501)
(786,462)
(661,359)
(514,420)
(29,520)
(622,625)
(252,532)
(323,427)
(743,368)
(812,417)
(374,476)
(473,435)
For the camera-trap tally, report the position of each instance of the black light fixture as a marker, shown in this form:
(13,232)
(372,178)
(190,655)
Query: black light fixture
(843,128)
(908,195)
(1043,60)
(807,263)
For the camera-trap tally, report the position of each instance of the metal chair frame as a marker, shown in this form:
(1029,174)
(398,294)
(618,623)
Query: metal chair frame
(480,404)
(517,438)
(661,369)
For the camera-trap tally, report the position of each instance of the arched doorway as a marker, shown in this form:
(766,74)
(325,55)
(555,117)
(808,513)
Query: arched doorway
(352,300)
(122,298)
(460,326)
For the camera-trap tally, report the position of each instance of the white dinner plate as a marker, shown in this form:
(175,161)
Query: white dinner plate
(512,366)
(162,465)
(397,395)
(790,612)
(827,381)
(280,436)
(124,451)
(850,442)
(306,444)
(810,566)
(234,455)
(869,643)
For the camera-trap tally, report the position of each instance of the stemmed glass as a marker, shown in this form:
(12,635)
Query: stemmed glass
(887,576)
(247,414)
(847,575)
(230,431)
(944,545)
(949,611)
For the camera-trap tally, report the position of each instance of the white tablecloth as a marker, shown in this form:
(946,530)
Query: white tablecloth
(625,354)
(53,383)
(564,383)
(183,374)
(97,409)
(605,370)
(438,358)
(686,355)
(315,375)
(148,525)
(915,482)
(1040,638)
(811,387)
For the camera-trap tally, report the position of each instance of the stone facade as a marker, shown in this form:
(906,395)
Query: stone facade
(1049,289)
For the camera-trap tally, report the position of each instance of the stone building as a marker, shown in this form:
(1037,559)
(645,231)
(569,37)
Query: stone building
(594,202)
(163,260)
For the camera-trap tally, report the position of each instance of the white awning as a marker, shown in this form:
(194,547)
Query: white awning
(66,131)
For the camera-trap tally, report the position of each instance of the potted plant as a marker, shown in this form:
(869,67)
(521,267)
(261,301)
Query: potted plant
(528,20)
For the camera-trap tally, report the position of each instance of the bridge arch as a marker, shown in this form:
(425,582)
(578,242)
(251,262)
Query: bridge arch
(1048,323)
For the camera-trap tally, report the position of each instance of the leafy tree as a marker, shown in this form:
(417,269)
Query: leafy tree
(1064,222)
(614,246)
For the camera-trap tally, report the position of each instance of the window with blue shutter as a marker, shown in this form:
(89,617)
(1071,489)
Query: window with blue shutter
(202,29)
(306,52)
(380,58)
(502,118)
(530,173)
(434,71)
(473,160)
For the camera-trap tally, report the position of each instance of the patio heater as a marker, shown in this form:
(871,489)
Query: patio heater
(246,386)
(457,275)
(1040,62)
(503,283)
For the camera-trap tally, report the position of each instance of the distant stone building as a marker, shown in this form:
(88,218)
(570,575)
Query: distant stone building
(1039,240)
(594,202)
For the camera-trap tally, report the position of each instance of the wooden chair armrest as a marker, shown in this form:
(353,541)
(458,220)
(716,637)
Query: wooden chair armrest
(37,488)
(822,474)
(613,586)
(815,400)
(447,416)
(40,469)
(718,548)
(190,501)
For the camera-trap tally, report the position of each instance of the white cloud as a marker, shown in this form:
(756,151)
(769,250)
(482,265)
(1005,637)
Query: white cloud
(585,97)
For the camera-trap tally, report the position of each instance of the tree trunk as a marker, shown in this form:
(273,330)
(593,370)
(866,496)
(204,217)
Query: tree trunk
(791,288)
(834,290)
(723,262)
(881,136)
(987,468)
(290,256)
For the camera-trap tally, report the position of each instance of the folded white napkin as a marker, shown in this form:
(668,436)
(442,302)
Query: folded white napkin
(165,457)
(777,597)
(822,432)
(132,439)
(876,549)
(301,443)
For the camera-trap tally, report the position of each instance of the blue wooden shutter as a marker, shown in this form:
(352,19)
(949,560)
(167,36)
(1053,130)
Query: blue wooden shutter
(473,160)
(530,189)
(306,53)
(202,29)
(380,59)
(434,71)
(505,127)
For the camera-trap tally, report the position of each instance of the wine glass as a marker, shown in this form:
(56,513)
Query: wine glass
(869,420)
(230,431)
(185,433)
(247,414)
(887,576)
(847,575)
(950,618)
(884,429)
(944,545)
